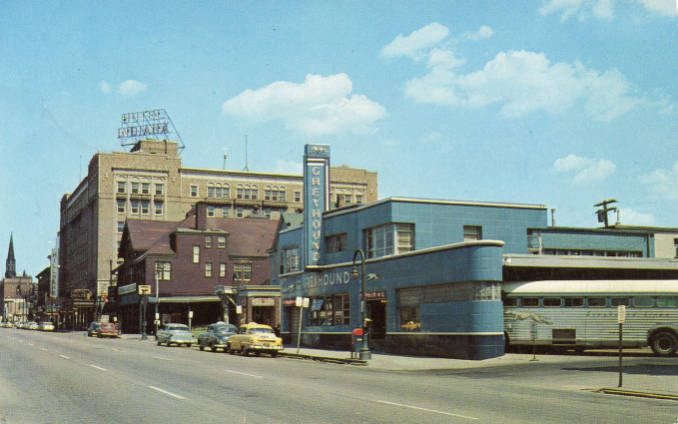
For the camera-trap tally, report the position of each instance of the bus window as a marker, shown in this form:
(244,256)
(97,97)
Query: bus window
(643,301)
(616,301)
(551,302)
(530,302)
(597,302)
(667,301)
(574,302)
(511,301)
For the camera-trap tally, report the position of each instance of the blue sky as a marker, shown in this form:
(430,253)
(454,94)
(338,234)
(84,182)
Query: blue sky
(557,102)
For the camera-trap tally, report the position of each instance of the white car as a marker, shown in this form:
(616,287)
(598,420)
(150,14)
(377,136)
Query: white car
(177,334)
(46,326)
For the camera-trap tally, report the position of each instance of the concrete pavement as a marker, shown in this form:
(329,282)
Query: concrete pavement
(660,382)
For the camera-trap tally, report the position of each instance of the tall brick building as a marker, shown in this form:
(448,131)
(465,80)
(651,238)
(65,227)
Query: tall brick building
(149,182)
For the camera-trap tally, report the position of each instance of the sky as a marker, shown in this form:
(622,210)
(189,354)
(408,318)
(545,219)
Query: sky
(562,103)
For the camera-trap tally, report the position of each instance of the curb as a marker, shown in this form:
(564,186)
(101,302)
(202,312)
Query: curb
(348,361)
(649,395)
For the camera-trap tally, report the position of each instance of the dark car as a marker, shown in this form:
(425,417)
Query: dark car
(102,329)
(216,335)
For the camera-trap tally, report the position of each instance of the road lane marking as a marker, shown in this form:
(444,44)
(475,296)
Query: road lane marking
(157,389)
(162,359)
(64,356)
(44,349)
(402,405)
(244,373)
(97,367)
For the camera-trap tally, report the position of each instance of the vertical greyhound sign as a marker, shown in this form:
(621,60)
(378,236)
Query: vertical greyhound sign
(316,199)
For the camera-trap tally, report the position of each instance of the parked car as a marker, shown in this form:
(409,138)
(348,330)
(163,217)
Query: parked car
(257,338)
(46,326)
(216,336)
(177,334)
(93,329)
(32,325)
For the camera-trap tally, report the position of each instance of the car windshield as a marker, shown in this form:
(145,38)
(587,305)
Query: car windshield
(178,327)
(225,329)
(261,331)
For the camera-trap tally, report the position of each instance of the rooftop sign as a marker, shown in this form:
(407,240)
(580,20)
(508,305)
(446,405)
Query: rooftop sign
(149,124)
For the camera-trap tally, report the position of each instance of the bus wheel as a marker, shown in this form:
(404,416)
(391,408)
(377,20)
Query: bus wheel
(664,344)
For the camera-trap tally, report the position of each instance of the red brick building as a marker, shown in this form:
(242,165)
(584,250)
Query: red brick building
(191,259)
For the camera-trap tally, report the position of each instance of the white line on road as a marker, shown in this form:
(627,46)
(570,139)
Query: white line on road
(99,368)
(157,389)
(244,373)
(424,409)
(162,359)
(64,356)
(44,349)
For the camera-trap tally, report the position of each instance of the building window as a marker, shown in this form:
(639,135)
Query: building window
(335,243)
(210,210)
(410,318)
(208,242)
(196,254)
(221,242)
(389,239)
(218,191)
(121,206)
(359,199)
(225,212)
(135,188)
(275,194)
(158,207)
(159,189)
(222,270)
(122,187)
(289,261)
(242,272)
(194,190)
(163,270)
(145,207)
(135,207)
(239,213)
(208,269)
(121,226)
(473,232)
(145,188)
(297,196)
(342,309)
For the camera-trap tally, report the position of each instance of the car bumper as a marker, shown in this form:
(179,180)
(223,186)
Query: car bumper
(265,347)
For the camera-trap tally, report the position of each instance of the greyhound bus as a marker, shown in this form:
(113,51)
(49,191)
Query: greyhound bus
(582,314)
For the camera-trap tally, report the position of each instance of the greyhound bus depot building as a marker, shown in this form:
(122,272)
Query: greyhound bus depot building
(432,269)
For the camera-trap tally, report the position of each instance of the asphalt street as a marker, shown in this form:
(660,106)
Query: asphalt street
(69,378)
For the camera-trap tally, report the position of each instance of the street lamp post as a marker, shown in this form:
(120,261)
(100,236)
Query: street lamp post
(364,349)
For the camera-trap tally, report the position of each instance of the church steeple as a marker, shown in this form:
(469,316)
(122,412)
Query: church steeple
(10,268)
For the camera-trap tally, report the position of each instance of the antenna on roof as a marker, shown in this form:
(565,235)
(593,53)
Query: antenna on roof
(225,155)
(246,168)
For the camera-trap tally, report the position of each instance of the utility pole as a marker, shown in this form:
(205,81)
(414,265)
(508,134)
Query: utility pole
(603,210)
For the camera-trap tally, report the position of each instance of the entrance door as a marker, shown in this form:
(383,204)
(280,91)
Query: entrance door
(376,311)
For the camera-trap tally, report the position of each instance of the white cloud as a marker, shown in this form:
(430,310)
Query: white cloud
(105,87)
(320,105)
(603,9)
(585,170)
(631,217)
(418,41)
(663,182)
(131,88)
(522,82)
(482,33)
(661,7)
(288,167)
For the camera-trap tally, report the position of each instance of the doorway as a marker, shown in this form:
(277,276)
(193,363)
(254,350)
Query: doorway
(376,311)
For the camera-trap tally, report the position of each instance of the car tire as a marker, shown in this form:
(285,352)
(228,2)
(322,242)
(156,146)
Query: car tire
(201,347)
(664,343)
(245,352)
(274,354)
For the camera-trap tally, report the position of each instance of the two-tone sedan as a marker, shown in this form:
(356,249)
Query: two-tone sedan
(178,334)
(216,336)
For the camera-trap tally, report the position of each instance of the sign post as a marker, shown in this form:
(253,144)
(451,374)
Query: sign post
(301,302)
(621,317)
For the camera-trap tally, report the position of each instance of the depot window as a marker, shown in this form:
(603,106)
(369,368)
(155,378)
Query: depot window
(242,272)
(389,239)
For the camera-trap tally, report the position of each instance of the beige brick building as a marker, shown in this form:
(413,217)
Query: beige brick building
(149,182)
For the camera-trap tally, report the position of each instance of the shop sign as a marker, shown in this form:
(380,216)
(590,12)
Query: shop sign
(127,289)
(262,301)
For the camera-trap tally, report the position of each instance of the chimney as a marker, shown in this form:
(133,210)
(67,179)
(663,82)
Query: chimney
(201,216)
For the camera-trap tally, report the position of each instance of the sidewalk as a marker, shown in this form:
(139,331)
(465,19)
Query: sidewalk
(661,383)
